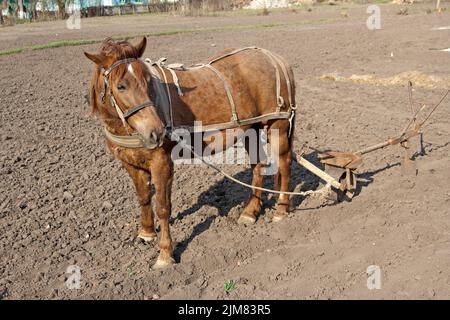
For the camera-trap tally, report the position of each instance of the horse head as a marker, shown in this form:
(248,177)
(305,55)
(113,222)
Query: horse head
(121,89)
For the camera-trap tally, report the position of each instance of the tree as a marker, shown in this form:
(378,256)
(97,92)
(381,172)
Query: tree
(62,7)
(3,5)
(19,12)
(32,9)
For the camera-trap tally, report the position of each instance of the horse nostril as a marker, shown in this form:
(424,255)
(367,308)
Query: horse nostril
(154,137)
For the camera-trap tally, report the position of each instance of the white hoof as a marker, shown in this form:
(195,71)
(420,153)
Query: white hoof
(161,264)
(147,237)
(277,218)
(246,219)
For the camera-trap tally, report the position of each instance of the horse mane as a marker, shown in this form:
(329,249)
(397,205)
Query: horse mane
(117,50)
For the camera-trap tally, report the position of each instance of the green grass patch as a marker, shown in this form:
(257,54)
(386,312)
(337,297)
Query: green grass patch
(229,286)
(72,43)
(266,25)
(195,30)
(63,43)
(10,51)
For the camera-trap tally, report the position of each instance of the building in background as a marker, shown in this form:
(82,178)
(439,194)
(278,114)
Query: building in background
(22,8)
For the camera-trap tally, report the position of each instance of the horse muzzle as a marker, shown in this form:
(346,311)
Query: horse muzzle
(153,138)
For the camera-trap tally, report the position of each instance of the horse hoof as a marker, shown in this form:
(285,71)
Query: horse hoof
(146,236)
(278,217)
(163,263)
(246,219)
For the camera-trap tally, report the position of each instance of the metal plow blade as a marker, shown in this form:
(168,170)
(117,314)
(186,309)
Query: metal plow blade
(341,166)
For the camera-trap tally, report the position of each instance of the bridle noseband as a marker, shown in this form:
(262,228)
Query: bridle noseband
(107,89)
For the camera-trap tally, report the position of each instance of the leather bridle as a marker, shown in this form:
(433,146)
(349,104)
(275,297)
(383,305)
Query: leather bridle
(107,89)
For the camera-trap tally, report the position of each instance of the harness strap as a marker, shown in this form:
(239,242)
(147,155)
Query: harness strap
(283,65)
(118,63)
(133,110)
(230,54)
(134,141)
(234,116)
(130,141)
(280,100)
(175,81)
(163,101)
(118,110)
(161,63)
(169,96)
(275,58)
(232,125)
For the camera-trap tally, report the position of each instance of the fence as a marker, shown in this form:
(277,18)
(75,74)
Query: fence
(17,11)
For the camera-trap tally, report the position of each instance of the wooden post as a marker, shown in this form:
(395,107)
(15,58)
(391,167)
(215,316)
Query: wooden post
(438,6)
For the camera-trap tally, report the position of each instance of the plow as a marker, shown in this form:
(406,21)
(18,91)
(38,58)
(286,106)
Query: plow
(340,168)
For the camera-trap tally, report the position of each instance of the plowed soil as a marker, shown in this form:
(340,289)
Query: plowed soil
(65,201)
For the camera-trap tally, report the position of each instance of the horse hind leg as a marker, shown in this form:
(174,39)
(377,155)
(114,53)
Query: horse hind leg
(283,203)
(281,148)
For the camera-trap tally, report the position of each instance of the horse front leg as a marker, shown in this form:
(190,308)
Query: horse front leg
(162,176)
(257,156)
(253,206)
(141,180)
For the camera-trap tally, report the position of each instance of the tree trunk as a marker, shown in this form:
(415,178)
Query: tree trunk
(4,6)
(20,9)
(32,10)
(61,8)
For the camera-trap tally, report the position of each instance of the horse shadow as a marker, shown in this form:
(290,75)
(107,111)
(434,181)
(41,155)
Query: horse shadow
(224,195)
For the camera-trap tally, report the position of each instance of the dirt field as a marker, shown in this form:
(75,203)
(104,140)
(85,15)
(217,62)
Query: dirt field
(64,200)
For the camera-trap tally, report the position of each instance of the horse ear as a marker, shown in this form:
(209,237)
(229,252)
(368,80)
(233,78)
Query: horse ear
(140,47)
(98,59)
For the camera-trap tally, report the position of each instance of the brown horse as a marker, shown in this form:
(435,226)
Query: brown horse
(123,96)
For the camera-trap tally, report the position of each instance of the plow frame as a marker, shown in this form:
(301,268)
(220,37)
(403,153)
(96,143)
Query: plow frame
(340,167)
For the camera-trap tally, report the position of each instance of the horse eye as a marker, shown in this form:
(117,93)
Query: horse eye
(121,87)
